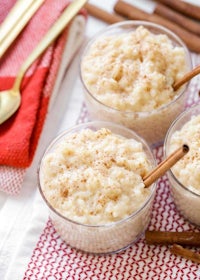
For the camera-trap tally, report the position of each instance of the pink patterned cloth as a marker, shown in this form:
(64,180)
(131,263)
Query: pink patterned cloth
(52,258)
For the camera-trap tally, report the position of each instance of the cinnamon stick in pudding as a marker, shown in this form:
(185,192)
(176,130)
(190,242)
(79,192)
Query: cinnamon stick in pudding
(165,165)
(188,76)
(168,238)
(185,253)
(127,10)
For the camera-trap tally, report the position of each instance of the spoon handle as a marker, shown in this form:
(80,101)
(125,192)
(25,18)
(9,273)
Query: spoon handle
(16,20)
(49,37)
(188,76)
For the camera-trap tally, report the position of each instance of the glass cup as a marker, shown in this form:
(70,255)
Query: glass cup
(186,200)
(151,125)
(105,238)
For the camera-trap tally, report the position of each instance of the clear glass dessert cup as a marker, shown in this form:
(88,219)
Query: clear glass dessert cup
(152,125)
(106,238)
(186,201)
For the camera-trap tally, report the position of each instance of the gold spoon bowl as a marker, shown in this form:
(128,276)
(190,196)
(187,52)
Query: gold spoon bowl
(9,103)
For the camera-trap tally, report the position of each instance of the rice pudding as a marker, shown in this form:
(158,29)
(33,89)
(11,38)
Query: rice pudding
(94,179)
(185,174)
(187,170)
(131,72)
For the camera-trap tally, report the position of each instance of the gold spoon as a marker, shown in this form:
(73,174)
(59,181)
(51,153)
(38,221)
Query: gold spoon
(188,76)
(10,99)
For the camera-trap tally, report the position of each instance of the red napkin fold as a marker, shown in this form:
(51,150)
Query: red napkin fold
(19,135)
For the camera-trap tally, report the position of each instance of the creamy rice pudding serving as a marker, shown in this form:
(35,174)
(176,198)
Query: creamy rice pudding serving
(184,176)
(128,72)
(92,180)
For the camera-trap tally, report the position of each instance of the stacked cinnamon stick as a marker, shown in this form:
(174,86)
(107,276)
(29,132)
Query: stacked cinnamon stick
(177,240)
(180,17)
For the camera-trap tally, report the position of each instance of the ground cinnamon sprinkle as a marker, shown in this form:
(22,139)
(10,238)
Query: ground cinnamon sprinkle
(187,170)
(96,177)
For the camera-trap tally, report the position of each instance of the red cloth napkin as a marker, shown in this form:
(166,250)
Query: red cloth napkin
(19,135)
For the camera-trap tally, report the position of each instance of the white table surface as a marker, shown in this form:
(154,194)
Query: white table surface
(16,212)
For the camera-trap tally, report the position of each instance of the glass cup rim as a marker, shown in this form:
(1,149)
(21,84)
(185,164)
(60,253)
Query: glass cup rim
(167,138)
(136,23)
(79,126)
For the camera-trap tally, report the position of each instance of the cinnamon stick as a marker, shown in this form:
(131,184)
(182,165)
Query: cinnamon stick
(168,238)
(160,9)
(102,14)
(188,76)
(183,7)
(125,9)
(185,253)
(178,18)
(165,165)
